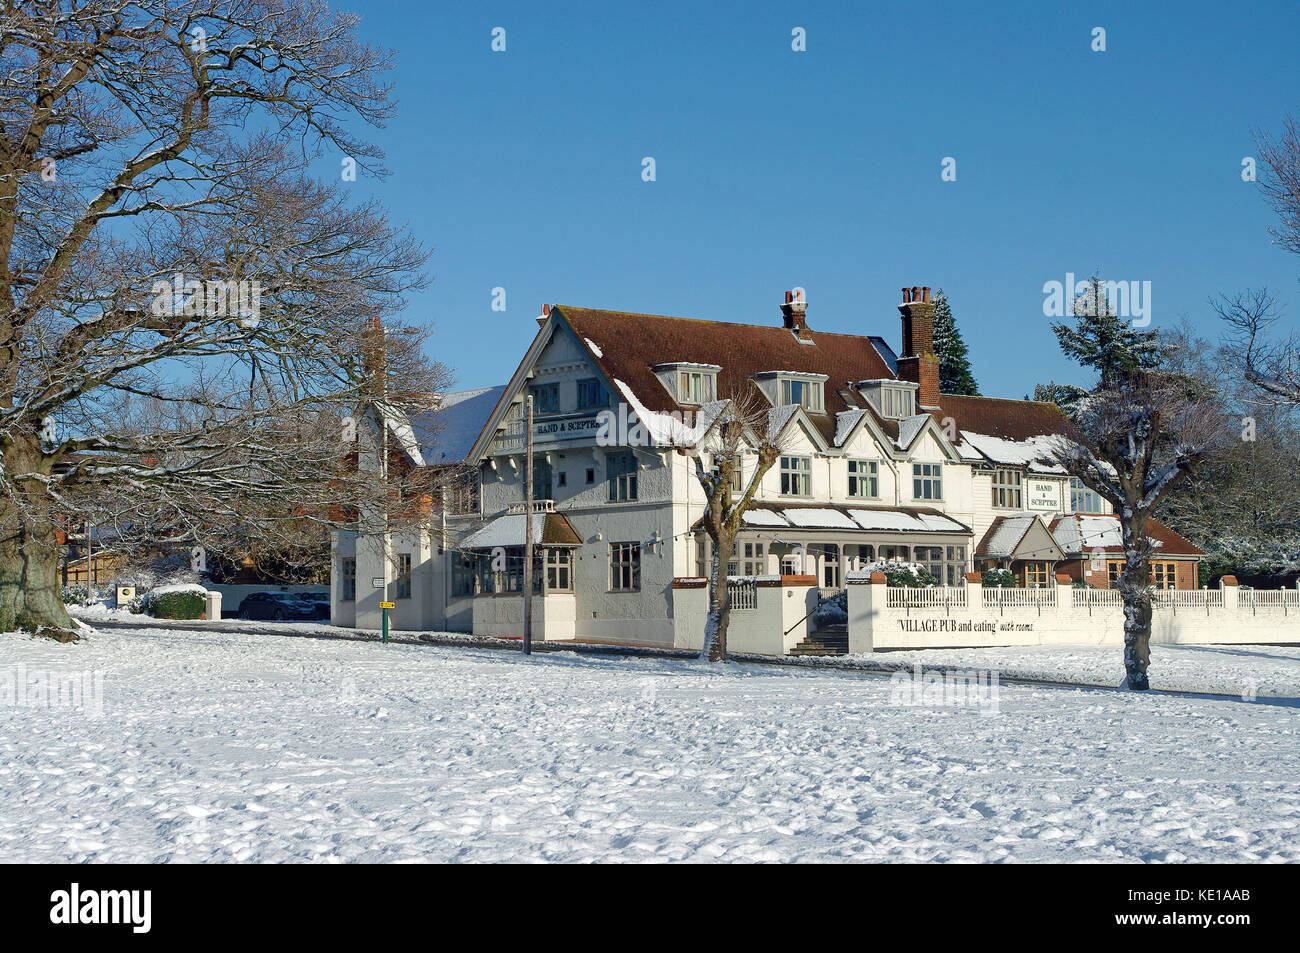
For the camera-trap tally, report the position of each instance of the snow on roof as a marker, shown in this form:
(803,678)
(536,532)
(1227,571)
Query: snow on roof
(447,433)
(505,530)
(1006,535)
(668,429)
(819,517)
(845,421)
(1079,533)
(779,416)
(591,345)
(908,522)
(1037,453)
(909,427)
(764,518)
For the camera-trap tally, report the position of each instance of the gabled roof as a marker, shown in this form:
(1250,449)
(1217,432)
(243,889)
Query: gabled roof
(549,529)
(627,345)
(1013,537)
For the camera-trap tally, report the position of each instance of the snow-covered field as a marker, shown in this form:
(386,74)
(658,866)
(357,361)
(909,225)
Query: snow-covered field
(220,747)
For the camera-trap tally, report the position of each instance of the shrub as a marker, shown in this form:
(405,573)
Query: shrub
(187,604)
(999,578)
(75,595)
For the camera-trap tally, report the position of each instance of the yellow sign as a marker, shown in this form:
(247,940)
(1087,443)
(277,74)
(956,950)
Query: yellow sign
(388,605)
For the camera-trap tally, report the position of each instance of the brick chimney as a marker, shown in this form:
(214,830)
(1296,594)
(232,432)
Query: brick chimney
(794,314)
(918,362)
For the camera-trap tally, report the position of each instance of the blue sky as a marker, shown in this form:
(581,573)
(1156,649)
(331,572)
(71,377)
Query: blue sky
(821,169)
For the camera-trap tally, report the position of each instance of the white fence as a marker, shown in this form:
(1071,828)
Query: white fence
(743,594)
(942,597)
(1000,597)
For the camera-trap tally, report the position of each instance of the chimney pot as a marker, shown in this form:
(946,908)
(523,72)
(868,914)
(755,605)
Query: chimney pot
(789,296)
(925,294)
(546,309)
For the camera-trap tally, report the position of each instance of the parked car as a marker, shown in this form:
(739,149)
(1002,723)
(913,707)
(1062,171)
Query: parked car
(319,601)
(280,606)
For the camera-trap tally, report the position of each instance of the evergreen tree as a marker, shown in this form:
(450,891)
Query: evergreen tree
(1062,395)
(954,368)
(1101,340)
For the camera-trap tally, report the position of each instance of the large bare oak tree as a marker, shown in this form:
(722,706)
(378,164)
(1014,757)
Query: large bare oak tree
(187,301)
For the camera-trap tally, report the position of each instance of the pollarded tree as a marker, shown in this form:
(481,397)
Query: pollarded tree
(1142,432)
(955,376)
(731,430)
(184,307)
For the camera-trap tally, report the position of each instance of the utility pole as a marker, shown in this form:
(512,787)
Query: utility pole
(528,532)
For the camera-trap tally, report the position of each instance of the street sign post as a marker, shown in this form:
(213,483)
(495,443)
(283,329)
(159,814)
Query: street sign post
(386,606)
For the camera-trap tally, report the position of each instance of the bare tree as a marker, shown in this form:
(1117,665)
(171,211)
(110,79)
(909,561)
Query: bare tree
(1141,431)
(186,313)
(1280,181)
(740,426)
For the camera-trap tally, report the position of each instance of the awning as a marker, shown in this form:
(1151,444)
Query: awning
(549,529)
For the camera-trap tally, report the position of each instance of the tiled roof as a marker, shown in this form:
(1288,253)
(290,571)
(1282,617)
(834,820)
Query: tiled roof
(549,529)
(876,519)
(628,345)
(447,434)
(1008,419)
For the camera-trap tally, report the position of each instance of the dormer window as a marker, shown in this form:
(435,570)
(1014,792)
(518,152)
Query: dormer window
(794,387)
(805,393)
(688,382)
(893,400)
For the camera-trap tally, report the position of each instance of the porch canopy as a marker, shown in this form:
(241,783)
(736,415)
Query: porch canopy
(549,529)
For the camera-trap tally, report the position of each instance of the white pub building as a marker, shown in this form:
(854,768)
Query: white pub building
(877,466)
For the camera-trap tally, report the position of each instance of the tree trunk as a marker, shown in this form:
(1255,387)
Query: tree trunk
(715,626)
(30,596)
(1135,592)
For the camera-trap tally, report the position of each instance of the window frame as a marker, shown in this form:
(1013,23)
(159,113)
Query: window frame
(402,577)
(925,475)
(791,476)
(625,567)
(621,477)
(1004,490)
(348,579)
(871,478)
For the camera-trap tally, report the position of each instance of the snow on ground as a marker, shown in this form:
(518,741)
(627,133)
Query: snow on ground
(1222,669)
(235,746)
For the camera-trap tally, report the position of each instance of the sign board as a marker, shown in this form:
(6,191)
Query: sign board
(125,594)
(1043,495)
(376,582)
(566,429)
(388,605)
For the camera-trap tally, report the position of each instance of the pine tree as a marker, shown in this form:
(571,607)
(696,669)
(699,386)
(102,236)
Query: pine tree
(954,367)
(1105,342)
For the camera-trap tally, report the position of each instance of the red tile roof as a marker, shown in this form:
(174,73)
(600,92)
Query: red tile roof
(630,344)
(1004,418)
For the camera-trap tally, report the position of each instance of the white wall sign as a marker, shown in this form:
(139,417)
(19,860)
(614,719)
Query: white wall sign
(1043,495)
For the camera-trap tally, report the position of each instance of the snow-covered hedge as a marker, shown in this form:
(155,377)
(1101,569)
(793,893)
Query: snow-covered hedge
(181,601)
(912,575)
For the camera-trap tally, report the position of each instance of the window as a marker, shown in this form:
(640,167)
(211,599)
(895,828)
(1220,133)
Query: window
(460,495)
(620,470)
(1113,569)
(753,563)
(559,570)
(591,475)
(1163,575)
(895,402)
(1006,489)
(955,566)
(1036,575)
(625,567)
(864,479)
(590,393)
(546,398)
(796,476)
(808,394)
(541,480)
(695,387)
(738,480)
(402,584)
(463,572)
(927,481)
(561,479)
(931,558)
(701,556)
(349,593)
(1082,499)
